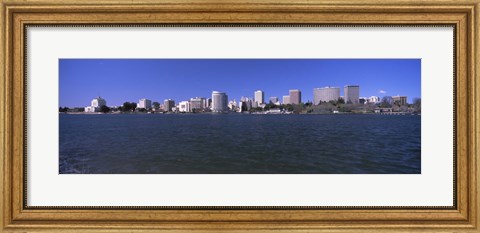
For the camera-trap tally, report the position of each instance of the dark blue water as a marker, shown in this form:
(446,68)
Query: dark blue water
(239,144)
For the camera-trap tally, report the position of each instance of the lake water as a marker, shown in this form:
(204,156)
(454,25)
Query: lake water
(239,144)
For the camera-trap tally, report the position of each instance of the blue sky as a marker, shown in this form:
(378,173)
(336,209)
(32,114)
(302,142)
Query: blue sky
(120,80)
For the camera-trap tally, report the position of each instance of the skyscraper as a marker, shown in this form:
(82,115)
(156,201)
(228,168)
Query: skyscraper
(168,104)
(144,103)
(295,96)
(352,94)
(259,97)
(219,101)
(325,94)
(286,99)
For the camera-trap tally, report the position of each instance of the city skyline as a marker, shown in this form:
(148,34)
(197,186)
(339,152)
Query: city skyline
(121,80)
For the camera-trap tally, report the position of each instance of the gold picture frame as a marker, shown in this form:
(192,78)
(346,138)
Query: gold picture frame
(464,15)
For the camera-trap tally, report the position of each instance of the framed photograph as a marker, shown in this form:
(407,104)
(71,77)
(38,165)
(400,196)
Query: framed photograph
(242,116)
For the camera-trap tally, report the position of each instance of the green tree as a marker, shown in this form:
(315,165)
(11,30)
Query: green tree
(289,107)
(386,103)
(128,107)
(156,105)
(64,109)
(104,109)
(270,106)
(340,101)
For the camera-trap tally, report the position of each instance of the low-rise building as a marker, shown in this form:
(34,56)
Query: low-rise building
(401,100)
(373,99)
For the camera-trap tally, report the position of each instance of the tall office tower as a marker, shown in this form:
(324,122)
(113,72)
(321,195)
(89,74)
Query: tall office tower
(219,101)
(144,103)
(259,97)
(286,99)
(168,104)
(325,94)
(295,96)
(352,94)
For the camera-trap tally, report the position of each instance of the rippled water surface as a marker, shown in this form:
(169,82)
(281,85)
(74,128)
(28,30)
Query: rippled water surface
(239,144)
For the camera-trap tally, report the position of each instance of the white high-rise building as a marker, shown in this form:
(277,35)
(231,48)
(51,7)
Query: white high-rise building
(259,97)
(325,94)
(184,106)
(96,104)
(144,103)
(219,101)
(352,94)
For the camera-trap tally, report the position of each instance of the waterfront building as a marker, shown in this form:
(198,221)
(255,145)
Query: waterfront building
(241,106)
(197,104)
(374,99)
(96,104)
(219,101)
(208,103)
(248,103)
(259,96)
(325,94)
(184,106)
(144,103)
(352,94)
(168,104)
(273,100)
(286,99)
(232,105)
(402,100)
(295,96)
